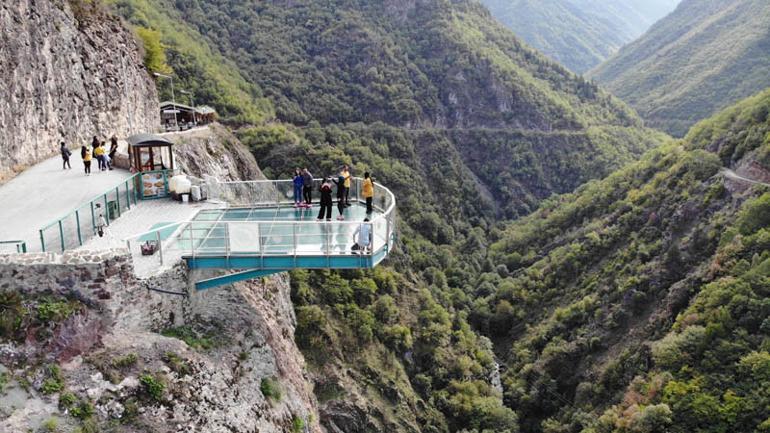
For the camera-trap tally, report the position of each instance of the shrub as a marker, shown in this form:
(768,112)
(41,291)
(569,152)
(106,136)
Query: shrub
(192,338)
(125,361)
(54,382)
(297,424)
(11,313)
(153,386)
(50,425)
(83,411)
(270,388)
(67,400)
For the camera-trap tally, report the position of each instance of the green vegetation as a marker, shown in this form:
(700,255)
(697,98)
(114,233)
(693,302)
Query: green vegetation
(153,386)
(270,388)
(154,53)
(177,364)
(201,336)
(50,425)
(83,411)
(640,300)
(39,314)
(67,400)
(126,361)
(4,379)
(579,34)
(693,63)
(54,382)
(297,424)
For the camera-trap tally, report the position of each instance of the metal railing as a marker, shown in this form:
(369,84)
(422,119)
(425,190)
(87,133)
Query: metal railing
(219,237)
(13,247)
(80,225)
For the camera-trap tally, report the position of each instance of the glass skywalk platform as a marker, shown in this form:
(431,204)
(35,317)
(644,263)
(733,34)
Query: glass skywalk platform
(258,230)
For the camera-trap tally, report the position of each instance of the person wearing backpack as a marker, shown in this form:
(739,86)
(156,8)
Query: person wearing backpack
(340,196)
(65,156)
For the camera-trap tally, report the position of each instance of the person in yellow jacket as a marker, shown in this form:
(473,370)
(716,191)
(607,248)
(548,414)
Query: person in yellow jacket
(99,154)
(345,173)
(85,153)
(368,191)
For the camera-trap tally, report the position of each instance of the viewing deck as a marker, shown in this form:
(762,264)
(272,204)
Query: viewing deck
(254,227)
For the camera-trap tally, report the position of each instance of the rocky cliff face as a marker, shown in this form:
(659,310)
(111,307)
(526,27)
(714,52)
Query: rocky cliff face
(94,347)
(68,71)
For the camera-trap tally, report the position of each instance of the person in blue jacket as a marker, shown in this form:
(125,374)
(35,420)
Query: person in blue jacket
(298,183)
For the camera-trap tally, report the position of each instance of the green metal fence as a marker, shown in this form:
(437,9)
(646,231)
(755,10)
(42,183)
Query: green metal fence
(80,225)
(13,247)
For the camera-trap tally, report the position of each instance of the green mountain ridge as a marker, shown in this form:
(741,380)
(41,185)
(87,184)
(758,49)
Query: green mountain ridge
(641,300)
(698,60)
(579,34)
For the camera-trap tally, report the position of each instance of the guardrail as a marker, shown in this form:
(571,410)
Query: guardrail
(80,225)
(265,238)
(13,247)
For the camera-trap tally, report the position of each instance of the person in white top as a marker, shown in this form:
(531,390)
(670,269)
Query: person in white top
(363,237)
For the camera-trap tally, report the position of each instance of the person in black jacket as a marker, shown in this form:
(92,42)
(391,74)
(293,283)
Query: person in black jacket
(340,196)
(65,156)
(307,187)
(326,200)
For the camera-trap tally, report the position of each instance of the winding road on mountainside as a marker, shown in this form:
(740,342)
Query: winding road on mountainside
(735,176)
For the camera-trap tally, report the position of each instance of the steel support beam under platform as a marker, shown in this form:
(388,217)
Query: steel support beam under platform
(235,277)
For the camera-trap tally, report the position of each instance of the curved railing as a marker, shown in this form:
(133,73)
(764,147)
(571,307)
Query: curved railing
(231,231)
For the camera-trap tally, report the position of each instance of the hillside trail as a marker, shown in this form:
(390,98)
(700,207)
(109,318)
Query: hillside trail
(735,176)
(44,192)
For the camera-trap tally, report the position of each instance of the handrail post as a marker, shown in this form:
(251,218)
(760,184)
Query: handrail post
(77,221)
(93,216)
(128,196)
(160,247)
(61,235)
(294,234)
(117,199)
(192,245)
(106,213)
(42,239)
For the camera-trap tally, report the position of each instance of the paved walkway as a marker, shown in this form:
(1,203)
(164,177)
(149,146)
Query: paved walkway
(735,176)
(45,192)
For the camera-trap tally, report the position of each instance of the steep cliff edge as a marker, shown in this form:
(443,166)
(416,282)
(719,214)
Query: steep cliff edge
(84,343)
(67,75)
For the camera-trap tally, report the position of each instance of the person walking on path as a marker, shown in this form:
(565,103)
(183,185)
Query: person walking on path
(101,222)
(113,148)
(85,153)
(340,196)
(298,182)
(65,156)
(307,187)
(367,190)
(326,200)
(345,173)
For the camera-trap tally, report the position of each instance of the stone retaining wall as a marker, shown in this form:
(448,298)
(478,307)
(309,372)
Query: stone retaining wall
(94,275)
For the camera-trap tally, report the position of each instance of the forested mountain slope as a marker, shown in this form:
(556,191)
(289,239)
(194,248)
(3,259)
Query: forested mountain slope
(706,55)
(449,110)
(579,34)
(425,68)
(640,302)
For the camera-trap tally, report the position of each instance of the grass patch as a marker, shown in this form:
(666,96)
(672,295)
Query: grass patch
(204,340)
(270,388)
(126,361)
(83,410)
(177,364)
